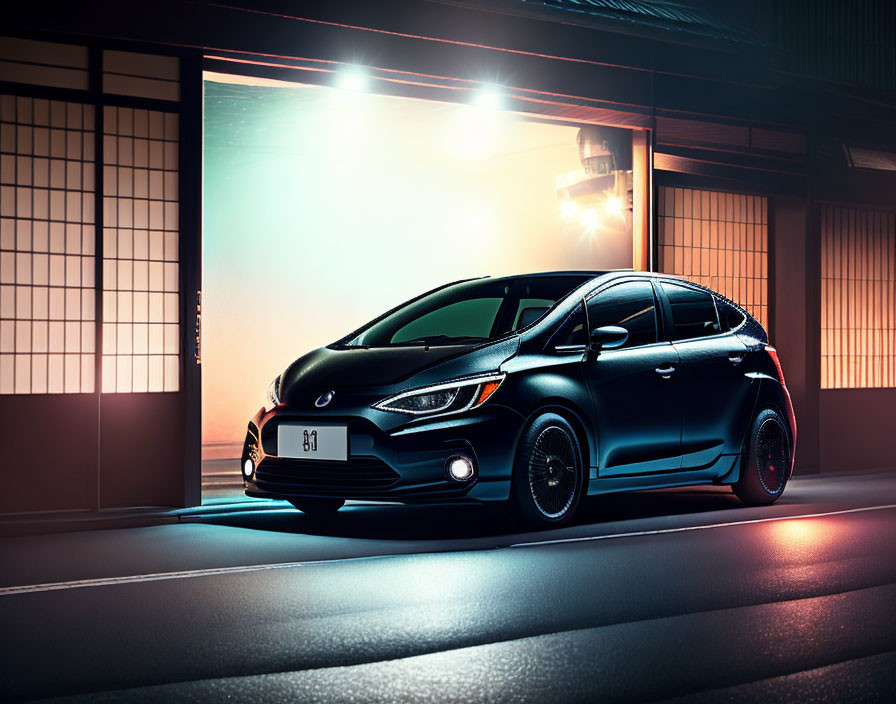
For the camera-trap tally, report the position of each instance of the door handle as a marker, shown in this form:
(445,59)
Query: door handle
(665,370)
(736,357)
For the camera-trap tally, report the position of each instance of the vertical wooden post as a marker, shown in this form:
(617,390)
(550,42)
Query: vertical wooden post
(95,84)
(640,201)
(191,270)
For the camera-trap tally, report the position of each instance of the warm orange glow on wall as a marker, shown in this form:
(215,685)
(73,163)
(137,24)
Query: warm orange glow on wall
(719,240)
(47,246)
(141,325)
(858,298)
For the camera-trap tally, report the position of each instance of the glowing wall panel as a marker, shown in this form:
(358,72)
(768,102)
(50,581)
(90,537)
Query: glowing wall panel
(47,260)
(141,327)
(858,298)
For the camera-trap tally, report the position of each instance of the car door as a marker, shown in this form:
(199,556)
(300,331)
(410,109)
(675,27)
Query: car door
(634,387)
(716,394)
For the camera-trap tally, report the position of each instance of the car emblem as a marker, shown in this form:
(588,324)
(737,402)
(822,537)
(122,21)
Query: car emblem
(324,399)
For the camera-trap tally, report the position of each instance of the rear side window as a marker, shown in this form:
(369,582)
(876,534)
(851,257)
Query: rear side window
(631,306)
(693,312)
(729,316)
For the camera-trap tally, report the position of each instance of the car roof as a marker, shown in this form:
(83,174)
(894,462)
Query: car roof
(585,273)
(592,275)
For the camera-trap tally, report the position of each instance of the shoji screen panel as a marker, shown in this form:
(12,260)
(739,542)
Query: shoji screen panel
(141,326)
(719,240)
(47,257)
(858,298)
(90,273)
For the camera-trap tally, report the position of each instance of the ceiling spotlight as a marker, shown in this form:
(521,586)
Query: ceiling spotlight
(352,78)
(488,98)
(569,208)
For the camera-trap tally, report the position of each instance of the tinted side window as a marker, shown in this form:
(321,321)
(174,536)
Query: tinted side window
(693,312)
(631,306)
(729,316)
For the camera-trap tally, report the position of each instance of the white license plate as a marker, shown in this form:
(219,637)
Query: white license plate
(312,442)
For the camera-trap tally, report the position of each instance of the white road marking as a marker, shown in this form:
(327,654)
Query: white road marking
(213,571)
(682,529)
(157,576)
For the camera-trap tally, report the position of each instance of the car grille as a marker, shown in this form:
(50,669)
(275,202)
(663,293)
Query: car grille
(360,476)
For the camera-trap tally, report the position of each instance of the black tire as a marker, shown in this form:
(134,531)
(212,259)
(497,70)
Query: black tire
(765,461)
(318,507)
(548,475)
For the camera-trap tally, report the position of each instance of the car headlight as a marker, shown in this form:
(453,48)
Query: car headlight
(272,398)
(450,397)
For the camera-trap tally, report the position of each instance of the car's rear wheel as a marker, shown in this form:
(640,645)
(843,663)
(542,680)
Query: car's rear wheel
(548,478)
(318,507)
(765,461)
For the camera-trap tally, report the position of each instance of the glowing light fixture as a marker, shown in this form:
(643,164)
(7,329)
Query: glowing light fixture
(459,468)
(613,206)
(569,208)
(352,78)
(488,98)
(248,468)
(590,218)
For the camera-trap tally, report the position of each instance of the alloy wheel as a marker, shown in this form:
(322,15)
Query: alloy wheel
(772,455)
(553,472)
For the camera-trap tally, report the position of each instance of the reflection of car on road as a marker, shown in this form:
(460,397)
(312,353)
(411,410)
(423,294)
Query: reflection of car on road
(538,389)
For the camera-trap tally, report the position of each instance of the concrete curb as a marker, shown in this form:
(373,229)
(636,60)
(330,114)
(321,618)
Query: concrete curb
(137,517)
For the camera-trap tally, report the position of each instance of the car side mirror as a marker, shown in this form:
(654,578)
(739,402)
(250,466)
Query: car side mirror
(608,337)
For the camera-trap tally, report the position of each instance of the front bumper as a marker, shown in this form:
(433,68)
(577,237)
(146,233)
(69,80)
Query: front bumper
(404,464)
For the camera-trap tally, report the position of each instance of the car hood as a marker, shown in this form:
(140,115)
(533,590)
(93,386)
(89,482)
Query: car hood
(329,368)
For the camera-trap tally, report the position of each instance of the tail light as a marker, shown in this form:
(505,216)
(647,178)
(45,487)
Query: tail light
(773,353)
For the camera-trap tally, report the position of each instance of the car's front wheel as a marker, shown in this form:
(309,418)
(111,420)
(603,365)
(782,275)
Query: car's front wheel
(765,463)
(548,476)
(318,507)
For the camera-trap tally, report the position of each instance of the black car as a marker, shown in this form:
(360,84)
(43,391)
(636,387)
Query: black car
(537,389)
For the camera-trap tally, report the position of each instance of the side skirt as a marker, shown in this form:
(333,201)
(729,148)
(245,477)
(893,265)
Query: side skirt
(720,472)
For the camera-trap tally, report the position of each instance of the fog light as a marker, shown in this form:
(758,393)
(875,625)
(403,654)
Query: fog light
(248,468)
(459,468)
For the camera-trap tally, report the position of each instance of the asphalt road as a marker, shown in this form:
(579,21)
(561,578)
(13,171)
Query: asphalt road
(675,595)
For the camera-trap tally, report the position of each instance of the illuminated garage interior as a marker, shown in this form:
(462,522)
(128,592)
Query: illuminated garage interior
(326,206)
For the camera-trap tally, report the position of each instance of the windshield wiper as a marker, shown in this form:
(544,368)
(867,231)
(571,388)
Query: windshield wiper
(440,340)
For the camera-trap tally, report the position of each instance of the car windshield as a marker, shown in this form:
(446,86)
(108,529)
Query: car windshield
(468,313)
